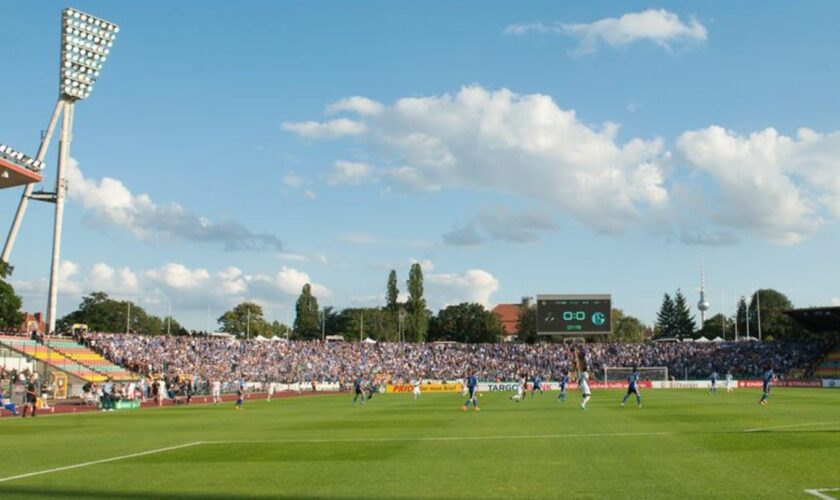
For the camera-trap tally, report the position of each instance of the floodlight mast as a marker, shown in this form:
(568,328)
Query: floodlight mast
(86,42)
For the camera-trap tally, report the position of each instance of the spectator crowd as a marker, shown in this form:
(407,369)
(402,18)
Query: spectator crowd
(206,359)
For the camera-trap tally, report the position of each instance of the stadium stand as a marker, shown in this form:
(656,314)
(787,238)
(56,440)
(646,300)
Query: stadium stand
(70,357)
(229,360)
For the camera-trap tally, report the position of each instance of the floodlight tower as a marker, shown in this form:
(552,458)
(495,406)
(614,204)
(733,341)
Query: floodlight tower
(86,42)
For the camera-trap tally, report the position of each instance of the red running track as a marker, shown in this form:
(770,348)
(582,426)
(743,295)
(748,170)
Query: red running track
(78,407)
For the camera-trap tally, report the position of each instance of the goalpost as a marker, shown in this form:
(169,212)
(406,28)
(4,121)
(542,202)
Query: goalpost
(620,373)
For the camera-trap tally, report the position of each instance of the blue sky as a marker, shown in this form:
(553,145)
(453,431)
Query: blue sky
(234,151)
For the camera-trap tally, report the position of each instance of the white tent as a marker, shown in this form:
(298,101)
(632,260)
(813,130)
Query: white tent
(260,338)
(278,339)
(702,339)
(718,339)
(369,341)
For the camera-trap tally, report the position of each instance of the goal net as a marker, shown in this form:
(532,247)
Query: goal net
(620,373)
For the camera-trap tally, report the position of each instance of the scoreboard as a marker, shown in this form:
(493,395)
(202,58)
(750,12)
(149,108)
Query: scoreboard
(574,314)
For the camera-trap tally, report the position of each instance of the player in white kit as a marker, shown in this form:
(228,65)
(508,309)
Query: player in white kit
(272,386)
(729,381)
(520,390)
(416,390)
(217,392)
(583,384)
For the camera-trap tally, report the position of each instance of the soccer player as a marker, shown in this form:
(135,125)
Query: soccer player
(769,377)
(564,380)
(713,380)
(272,386)
(583,384)
(728,381)
(633,388)
(472,389)
(537,386)
(520,390)
(9,406)
(358,388)
(240,396)
(416,384)
(217,392)
(372,388)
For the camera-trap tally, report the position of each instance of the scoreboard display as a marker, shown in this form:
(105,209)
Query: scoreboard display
(574,314)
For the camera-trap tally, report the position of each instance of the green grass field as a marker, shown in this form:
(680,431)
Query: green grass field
(681,444)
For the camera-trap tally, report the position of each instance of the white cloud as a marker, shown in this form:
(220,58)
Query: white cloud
(289,282)
(659,26)
(360,238)
(425,264)
(502,224)
(522,144)
(188,289)
(766,182)
(110,201)
(310,194)
(293,180)
(356,104)
(474,285)
(325,130)
(835,301)
(348,172)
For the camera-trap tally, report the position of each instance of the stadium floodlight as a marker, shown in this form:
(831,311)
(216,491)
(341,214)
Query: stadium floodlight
(86,43)
(20,159)
(85,46)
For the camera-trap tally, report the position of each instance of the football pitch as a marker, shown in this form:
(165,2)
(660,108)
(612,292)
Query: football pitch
(681,444)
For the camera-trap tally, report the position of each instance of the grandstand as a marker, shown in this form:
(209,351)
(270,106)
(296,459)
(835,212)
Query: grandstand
(823,321)
(68,356)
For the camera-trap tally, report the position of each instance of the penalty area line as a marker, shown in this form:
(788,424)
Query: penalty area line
(806,424)
(820,493)
(438,438)
(97,462)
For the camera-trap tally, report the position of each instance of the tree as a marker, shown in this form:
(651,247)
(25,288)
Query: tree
(278,329)
(683,320)
(246,320)
(10,316)
(416,324)
(714,327)
(103,314)
(666,318)
(741,317)
(307,322)
(626,328)
(465,322)
(393,294)
(526,330)
(775,324)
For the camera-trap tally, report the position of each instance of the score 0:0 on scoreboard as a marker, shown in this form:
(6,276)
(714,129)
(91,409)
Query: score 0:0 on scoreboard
(574,314)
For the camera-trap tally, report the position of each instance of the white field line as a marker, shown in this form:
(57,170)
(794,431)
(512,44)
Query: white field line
(440,438)
(806,424)
(383,440)
(97,462)
(819,493)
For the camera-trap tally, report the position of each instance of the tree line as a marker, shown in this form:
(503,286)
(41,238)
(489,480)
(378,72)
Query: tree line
(410,320)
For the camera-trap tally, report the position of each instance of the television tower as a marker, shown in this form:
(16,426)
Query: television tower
(702,304)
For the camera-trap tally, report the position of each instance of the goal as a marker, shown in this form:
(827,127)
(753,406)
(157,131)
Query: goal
(620,373)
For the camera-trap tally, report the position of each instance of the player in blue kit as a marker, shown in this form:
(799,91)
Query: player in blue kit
(564,381)
(633,388)
(536,385)
(7,405)
(769,376)
(472,389)
(713,380)
(358,389)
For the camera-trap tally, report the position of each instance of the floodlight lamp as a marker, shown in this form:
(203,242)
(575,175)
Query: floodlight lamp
(85,46)
(19,159)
